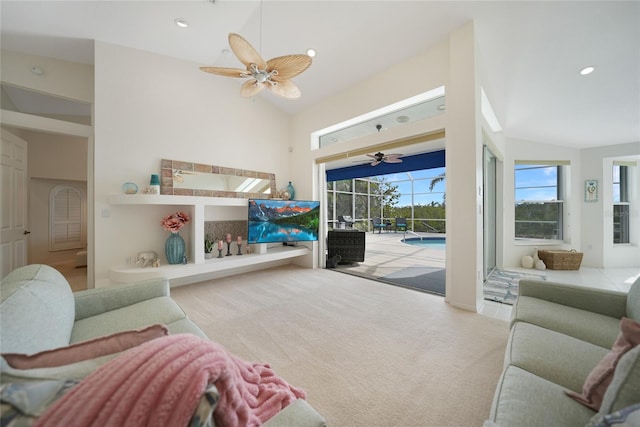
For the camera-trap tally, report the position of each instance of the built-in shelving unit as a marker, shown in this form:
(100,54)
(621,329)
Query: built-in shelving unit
(198,269)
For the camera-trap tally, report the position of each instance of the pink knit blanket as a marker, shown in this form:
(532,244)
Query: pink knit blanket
(160,382)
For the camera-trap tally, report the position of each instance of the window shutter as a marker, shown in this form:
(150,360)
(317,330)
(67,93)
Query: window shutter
(66,218)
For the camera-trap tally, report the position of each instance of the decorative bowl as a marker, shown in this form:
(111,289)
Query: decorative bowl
(129,188)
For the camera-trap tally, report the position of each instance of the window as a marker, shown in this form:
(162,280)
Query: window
(620,203)
(539,201)
(66,218)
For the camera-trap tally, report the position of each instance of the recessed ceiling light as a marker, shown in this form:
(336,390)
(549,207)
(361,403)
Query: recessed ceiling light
(37,70)
(402,119)
(311,52)
(441,107)
(181,23)
(587,70)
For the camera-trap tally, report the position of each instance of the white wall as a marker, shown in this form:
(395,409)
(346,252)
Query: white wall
(149,107)
(597,222)
(62,78)
(449,63)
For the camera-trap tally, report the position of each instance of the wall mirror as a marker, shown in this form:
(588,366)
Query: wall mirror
(195,179)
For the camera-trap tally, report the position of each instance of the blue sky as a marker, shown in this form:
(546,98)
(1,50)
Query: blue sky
(422,181)
(536,183)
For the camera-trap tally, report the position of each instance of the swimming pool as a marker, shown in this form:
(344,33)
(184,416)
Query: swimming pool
(427,242)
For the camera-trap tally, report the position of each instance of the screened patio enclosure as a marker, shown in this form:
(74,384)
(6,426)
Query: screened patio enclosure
(413,189)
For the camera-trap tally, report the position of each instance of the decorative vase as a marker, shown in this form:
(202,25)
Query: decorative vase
(174,248)
(291,191)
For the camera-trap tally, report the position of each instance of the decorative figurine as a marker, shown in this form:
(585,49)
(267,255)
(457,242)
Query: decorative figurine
(146,258)
(239,242)
(229,245)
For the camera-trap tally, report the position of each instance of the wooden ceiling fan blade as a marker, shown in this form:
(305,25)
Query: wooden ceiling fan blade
(286,89)
(251,88)
(288,66)
(376,163)
(223,71)
(393,160)
(245,52)
(393,155)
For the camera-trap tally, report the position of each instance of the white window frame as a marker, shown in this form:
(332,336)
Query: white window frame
(562,186)
(623,182)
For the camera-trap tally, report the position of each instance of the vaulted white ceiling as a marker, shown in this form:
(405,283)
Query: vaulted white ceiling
(531,51)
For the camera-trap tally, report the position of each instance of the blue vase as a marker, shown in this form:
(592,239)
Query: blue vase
(291,190)
(174,249)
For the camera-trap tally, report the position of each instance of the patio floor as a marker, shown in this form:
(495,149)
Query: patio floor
(385,253)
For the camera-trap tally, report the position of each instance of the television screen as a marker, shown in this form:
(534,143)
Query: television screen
(272,220)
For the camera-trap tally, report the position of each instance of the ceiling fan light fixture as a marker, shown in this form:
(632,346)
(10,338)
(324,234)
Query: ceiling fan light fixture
(274,74)
(587,70)
(180,23)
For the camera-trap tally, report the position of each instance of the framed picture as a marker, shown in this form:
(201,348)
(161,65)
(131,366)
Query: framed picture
(591,190)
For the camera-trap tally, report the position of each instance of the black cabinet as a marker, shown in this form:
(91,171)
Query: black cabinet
(349,244)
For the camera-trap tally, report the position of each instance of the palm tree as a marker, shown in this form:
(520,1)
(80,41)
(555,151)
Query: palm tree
(435,181)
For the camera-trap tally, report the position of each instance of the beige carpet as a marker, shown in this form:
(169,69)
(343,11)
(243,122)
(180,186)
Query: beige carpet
(368,354)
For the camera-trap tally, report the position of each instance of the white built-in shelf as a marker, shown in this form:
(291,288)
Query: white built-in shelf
(209,268)
(165,199)
(199,268)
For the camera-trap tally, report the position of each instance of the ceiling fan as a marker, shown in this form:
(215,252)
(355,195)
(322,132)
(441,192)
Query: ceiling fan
(379,157)
(274,74)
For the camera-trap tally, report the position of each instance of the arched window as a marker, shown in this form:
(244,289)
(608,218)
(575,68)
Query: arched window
(66,218)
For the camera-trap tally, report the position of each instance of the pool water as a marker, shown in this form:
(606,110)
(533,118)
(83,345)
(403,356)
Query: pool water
(427,242)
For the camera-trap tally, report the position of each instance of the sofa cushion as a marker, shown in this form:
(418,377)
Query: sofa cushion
(633,301)
(600,377)
(561,359)
(624,389)
(37,310)
(592,327)
(85,350)
(524,399)
(73,371)
(157,310)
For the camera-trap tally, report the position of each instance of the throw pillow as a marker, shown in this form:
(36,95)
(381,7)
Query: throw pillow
(85,350)
(600,377)
(627,417)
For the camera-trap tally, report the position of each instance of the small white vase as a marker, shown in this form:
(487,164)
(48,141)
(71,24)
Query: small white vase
(540,265)
(527,261)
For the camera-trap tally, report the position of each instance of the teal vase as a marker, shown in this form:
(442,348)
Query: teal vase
(291,191)
(174,249)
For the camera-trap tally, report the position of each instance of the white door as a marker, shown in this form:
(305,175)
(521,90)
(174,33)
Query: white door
(13,187)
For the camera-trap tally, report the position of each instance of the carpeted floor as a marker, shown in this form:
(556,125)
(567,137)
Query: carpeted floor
(502,285)
(366,353)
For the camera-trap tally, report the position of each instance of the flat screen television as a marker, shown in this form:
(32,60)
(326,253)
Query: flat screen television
(272,220)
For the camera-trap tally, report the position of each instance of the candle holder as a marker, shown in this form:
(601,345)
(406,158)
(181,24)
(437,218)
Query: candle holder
(239,249)
(229,249)
(220,253)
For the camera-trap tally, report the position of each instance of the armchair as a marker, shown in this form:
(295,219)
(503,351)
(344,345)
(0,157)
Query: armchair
(347,220)
(401,224)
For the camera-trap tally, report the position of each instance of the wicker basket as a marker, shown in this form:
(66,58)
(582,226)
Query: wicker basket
(561,260)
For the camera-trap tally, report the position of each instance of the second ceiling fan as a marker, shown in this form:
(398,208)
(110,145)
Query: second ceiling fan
(379,157)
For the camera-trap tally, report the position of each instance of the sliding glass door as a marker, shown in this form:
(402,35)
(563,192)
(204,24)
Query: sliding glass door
(489,211)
